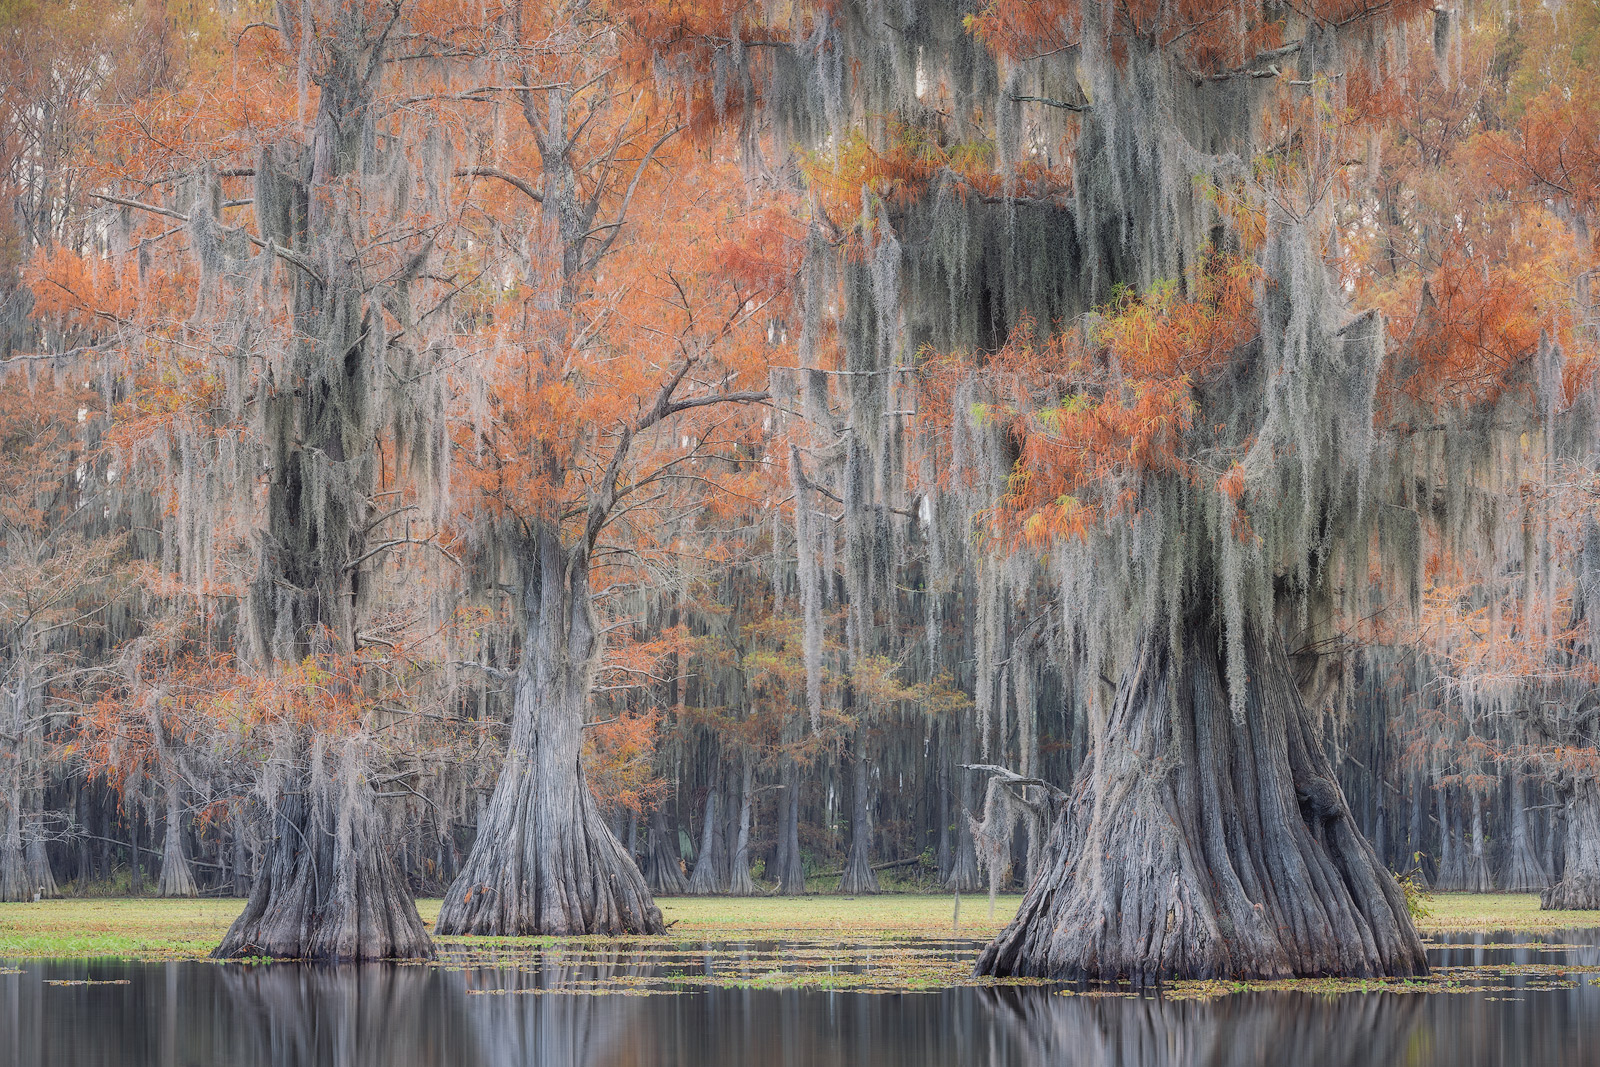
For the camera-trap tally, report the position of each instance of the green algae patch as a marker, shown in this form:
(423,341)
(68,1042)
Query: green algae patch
(893,943)
(1485,978)
(683,964)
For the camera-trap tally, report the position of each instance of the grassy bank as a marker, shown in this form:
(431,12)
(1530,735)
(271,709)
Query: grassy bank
(188,929)
(1449,912)
(144,928)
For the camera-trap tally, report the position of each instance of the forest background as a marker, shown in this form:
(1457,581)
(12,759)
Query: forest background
(477,446)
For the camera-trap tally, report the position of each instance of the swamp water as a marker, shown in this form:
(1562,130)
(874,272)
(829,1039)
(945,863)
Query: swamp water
(1494,999)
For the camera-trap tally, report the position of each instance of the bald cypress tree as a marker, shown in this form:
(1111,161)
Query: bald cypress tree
(313,385)
(1157,398)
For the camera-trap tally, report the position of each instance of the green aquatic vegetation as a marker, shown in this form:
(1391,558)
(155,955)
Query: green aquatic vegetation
(1418,899)
(88,981)
(891,943)
(1484,978)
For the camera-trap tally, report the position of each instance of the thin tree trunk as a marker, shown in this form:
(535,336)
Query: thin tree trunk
(1380,833)
(176,879)
(791,872)
(1239,858)
(544,861)
(663,868)
(1478,877)
(1524,872)
(1452,866)
(13,860)
(709,867)
(964,876)
(241,858)
(1415,840)
(85,848)
(943,858)
(859,877)
(135,872)
(1579,888)
(739,882)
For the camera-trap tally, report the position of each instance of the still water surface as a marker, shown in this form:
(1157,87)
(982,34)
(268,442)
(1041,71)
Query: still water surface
(1530,1004)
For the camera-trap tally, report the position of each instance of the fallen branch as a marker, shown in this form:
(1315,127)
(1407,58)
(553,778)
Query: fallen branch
(875,866)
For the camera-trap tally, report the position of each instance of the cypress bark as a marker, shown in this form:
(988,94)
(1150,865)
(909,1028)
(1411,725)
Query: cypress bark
(24,864)
(1579,887)
(1452,865)
(707,879)
(942,859)
(176,879)
(859,877)
(1198,844)
(1524,872)
(1416,842)
(14,883)
(329,889)
(544,861)
(964,876)
(241,859)
(788,866)
(1477,877)
(662,867)
(740,883)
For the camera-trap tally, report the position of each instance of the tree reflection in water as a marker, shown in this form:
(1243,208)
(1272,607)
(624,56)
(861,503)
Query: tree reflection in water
(201,1014)
(538,1016)
(347,1015)
(544,1011)
(1234,1031)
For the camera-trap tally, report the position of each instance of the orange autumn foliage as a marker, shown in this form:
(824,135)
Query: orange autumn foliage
(1123,402)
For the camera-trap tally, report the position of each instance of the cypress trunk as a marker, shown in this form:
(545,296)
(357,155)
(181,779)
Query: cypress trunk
(663,870)
(241,859)
(1579,887)
(1452,865)
(964,876)
(942,858)
(38,856)
(13,861)
(330,888)
(176,879)
(1524,872)
(707,878)
(789,867)
(544,861)
(740,883)
(135,872)
(1197,844)
(1416,861)
(1478,879)
(21,853)
(859,877)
